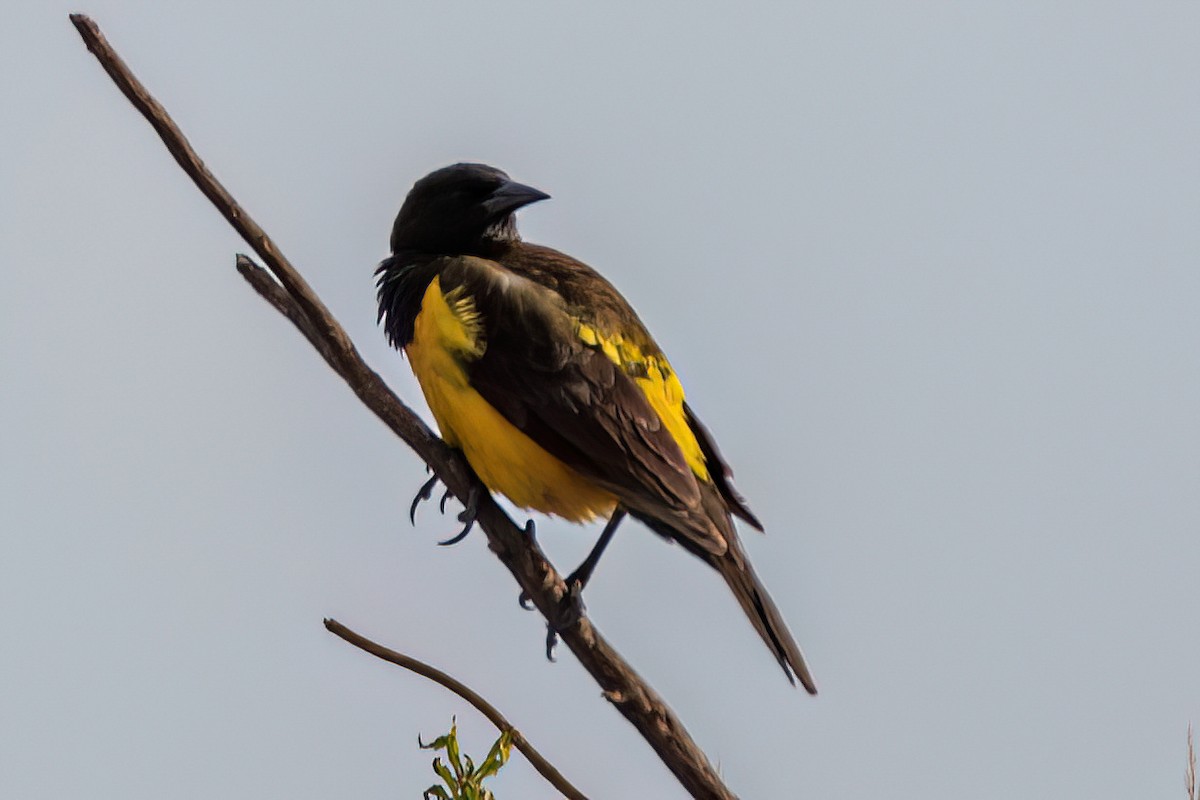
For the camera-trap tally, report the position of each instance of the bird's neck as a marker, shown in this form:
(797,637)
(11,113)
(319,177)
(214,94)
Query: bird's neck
(485,247)
(502,232)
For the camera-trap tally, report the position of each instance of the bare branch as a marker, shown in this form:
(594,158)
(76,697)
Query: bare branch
(539,762)
(1189,776)
(287,291)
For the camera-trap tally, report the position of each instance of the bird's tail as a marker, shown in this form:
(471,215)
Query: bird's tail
(752,596)
(734,566)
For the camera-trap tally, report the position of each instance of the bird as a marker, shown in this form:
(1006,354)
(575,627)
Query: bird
(542,374)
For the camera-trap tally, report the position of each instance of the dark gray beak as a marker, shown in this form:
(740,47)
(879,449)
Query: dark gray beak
(511,196)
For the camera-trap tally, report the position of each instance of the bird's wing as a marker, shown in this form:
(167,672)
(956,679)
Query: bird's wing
(719,469)
(569,388)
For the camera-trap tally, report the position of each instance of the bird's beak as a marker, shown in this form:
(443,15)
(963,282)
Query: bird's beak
(511,196)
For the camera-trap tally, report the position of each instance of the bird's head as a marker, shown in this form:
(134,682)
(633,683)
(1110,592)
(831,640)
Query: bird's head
(462,208)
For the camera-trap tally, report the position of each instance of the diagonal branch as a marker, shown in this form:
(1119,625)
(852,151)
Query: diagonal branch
(539,762)
(288,292)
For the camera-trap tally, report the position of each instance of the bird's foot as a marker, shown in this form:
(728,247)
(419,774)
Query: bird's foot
(424,493)
(571,607)
(575,583)
(467,517)
(570,612)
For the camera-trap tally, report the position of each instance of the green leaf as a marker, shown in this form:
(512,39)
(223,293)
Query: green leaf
(452,751)
(497,757)
(445,774)
(437,744)
(462,777)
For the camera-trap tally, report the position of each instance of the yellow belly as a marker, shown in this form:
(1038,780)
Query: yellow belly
(445,336)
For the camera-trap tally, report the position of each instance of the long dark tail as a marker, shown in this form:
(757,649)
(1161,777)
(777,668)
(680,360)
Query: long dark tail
(764,616)
(751,595)
(719,500)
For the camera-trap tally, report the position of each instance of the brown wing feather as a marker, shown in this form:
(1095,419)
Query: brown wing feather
(574,402)
(719,470)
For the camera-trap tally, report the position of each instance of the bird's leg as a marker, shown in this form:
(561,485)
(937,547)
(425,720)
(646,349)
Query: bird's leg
(424,493)
(583,572)
(571,608)
(467,517)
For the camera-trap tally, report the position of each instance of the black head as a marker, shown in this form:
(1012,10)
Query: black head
(463,208)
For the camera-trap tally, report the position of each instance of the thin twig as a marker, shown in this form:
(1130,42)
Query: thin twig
(621,685)
(1189,776)
(434,674)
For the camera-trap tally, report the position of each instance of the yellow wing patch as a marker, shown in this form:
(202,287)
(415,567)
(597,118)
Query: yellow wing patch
(658,382)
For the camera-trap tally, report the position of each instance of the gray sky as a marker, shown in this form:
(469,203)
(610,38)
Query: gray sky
(928,271)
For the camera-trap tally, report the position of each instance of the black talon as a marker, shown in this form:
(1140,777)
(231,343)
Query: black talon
(551,643)
(442,504)
(467,516)
(458,537)
(424,493)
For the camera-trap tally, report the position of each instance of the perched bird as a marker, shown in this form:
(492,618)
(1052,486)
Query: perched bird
(542,374)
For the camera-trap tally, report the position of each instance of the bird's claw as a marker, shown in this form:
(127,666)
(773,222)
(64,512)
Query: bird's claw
(467,517)
(424,493)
